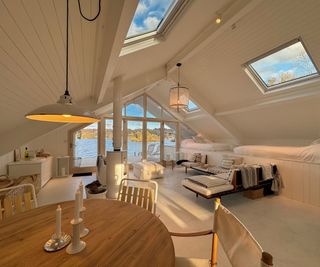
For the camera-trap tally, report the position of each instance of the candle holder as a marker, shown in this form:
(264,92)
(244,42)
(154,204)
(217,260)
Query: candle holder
(56,243)
(83,230)
(76,245)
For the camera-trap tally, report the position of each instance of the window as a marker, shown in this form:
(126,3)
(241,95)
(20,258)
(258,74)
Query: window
(191,106)
(148,16)
(135,108)
(151,21)
(283,66)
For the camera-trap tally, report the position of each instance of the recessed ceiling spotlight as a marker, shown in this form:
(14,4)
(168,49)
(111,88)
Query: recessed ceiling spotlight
(218,19)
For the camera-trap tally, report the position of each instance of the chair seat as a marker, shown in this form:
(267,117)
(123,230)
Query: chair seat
(191,262)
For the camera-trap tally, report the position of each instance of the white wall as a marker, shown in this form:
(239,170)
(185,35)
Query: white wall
(4,159)
(55,142)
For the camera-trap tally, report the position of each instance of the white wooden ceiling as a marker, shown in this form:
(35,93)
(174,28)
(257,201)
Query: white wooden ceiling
(32,62)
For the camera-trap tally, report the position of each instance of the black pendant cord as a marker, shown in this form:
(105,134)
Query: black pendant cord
(86,18)
(67,39)
(67,52)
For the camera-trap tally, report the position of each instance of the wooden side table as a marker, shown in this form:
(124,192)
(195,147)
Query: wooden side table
(167,163)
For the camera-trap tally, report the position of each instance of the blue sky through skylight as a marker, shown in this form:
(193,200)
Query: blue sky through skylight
(192,106)
(287,64)
(148,16)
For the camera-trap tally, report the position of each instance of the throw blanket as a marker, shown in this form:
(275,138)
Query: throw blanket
(267,172)
(249,176)
(207,181)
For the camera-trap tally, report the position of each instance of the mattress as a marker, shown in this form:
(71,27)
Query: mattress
(221,185)
(307,153)
(190,144)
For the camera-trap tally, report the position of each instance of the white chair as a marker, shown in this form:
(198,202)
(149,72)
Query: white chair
(17,199)
(139,192)
(239,245)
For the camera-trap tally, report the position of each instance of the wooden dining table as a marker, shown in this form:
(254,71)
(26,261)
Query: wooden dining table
(121,234)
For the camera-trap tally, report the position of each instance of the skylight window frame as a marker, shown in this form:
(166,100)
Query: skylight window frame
(164,26)
(265,89)
(188,110)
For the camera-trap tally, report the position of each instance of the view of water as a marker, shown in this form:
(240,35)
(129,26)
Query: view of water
(87,148)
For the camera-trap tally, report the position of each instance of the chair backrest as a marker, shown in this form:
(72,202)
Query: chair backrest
(237,242)
(143,193)
(16,199)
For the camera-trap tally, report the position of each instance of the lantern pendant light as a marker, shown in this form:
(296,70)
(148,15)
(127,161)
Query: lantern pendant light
(64,110)
(179,95)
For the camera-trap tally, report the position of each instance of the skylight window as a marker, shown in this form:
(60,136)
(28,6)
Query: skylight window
(149,16)
(282,66)
(191,106)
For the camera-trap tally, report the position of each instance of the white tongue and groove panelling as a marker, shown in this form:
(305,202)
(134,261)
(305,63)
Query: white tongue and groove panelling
(32,55)
(217,74)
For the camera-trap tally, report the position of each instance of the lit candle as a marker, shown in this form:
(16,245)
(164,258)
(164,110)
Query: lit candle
(77,206)
(58,222)
(81,194)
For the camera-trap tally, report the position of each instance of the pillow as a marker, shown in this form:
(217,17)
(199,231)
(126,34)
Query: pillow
(196,157)
(225,176)
(226,163)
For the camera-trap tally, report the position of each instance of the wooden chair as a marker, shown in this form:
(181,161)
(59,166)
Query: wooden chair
(143,193)
(17,199)
(237,242)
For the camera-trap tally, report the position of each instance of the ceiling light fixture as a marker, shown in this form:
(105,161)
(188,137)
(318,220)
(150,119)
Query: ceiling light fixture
(64,110)
(179,95)
(218,19)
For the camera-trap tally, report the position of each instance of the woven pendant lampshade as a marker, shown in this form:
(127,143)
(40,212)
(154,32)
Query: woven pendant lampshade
(179,95)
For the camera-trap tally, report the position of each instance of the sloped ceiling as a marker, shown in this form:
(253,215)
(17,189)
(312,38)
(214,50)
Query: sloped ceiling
(32,55)
(216,73)
(32,45)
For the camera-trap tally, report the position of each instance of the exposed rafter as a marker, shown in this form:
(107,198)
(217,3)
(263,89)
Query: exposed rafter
(114,46)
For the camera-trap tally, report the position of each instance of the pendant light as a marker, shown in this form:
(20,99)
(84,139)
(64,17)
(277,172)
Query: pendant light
(179,95)
(64,110)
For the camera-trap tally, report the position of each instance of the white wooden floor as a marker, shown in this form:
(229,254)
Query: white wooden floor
(287,229)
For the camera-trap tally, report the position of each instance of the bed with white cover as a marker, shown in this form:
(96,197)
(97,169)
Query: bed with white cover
(298,166)
(204,145)
(147,170)
(304,154)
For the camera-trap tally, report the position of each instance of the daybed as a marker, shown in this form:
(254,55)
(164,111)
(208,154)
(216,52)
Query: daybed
(298,166)
(230,182)
(147,170)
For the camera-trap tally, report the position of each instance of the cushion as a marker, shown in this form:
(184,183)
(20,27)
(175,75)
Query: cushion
(196,157)
(226,163)
(207,191)
(189,164)
(207,181)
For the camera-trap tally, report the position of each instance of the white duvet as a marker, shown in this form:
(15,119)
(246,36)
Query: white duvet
(190,144)
(306,153)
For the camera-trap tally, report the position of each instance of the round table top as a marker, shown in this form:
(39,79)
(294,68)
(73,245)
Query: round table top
(121,234)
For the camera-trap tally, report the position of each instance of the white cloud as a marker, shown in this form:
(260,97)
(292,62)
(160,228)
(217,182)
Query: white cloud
(150,23)
(134,29)
(141,9)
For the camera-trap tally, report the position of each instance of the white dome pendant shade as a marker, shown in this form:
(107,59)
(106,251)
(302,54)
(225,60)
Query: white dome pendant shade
(64,110)
(179,95)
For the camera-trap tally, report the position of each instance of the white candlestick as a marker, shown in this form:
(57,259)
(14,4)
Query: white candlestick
(81,194)
(77,206)
(58,222)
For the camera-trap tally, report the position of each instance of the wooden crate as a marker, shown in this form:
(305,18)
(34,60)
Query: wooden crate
(253,194)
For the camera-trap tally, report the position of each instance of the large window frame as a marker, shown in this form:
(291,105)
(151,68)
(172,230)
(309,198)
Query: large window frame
(145,120)
(265,89)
